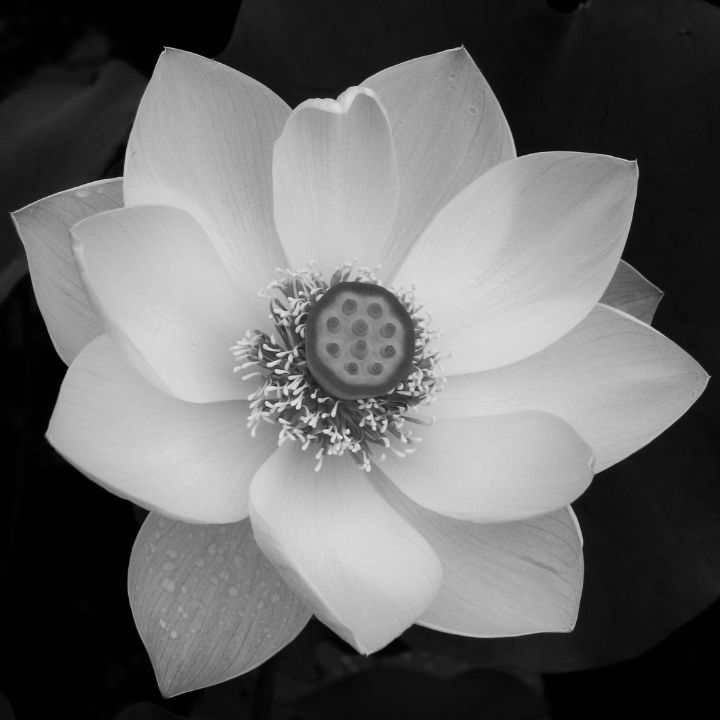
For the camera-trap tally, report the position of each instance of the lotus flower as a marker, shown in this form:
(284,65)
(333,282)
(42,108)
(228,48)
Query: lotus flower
(435,380)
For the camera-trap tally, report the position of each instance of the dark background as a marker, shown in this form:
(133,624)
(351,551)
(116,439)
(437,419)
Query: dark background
(635,79)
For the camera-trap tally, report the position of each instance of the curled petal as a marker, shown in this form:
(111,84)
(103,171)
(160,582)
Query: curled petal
(335,181)
(448,129)
(189,461)
(494,468)
(207,603)
(527,250)
(166,299)
(202,141)
(363,570)
(44,227)
(616,380)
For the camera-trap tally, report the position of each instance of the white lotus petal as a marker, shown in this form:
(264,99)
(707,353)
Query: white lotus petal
(363,570)
(166,298)
(521,255)
(448,129)
(616,380)
(632,293)
(202,141)
(207,603)
(335,181)
(495,468)
(186,460)
(500,579)
(44,227)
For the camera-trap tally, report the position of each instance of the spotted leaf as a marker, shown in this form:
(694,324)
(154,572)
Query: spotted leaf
(207,603)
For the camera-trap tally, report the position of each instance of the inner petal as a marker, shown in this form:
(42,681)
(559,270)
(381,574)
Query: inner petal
(335,183)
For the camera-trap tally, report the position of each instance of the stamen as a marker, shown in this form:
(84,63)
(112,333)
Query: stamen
(357,328)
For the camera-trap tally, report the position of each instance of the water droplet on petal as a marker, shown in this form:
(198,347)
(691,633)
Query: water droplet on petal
(233,592)
(168,584)
(173,634)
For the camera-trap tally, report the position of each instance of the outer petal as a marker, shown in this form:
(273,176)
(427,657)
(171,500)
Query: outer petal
(166,299)
(616,380)
(494,469)
(362,568)
(202,141)
(335,181)
(207,603)
(521,255)
(632,293)
(500,579)
(44,228)
(189,461)
(448,129)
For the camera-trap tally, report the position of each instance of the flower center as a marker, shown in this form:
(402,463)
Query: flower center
(344,368)
(358,340)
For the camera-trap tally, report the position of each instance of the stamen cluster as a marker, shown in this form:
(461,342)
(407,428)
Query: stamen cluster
(289,396)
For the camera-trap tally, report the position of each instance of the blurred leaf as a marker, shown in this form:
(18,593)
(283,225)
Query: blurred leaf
(63,129)
(6,711)
(147,711)
(319,48)
(299,660)
(393,694)
(207,603)
(636,80)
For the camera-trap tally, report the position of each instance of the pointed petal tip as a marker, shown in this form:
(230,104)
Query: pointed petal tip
(15,216)
(169,51)
(359,644)
(703,378)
